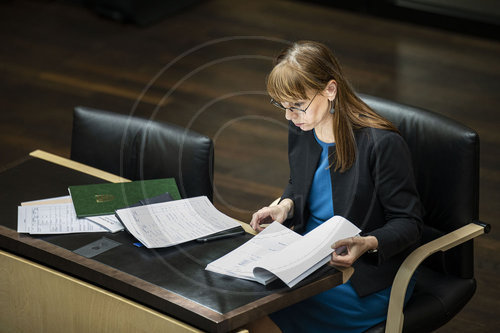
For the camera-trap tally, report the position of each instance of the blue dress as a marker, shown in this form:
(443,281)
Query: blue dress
(339,309)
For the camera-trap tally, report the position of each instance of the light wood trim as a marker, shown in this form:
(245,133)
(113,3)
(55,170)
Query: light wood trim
(347,272)
(78,166)
(34,298)
(395,315)
(247,228)
(47,202)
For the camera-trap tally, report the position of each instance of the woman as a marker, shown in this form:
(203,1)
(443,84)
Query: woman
(345,160)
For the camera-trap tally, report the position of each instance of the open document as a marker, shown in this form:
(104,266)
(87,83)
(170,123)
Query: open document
(174,222)
(278,252)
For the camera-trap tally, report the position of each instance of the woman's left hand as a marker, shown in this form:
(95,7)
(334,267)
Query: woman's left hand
(350,249)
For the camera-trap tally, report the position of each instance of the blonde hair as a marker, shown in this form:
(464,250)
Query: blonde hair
(309,66)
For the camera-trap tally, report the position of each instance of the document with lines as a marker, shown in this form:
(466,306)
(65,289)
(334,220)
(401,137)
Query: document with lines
(53,219)
(278,252)
(58,216)
(174,222)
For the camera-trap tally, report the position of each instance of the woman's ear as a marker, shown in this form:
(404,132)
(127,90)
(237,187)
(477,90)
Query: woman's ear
(331,90)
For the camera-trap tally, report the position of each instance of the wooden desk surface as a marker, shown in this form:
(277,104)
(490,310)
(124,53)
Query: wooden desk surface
(172,281)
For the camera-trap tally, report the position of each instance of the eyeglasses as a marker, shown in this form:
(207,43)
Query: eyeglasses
(291,108)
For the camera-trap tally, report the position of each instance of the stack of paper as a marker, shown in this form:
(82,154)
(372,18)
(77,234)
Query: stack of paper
(152,215)
(155,217)
(90,208)
(57,216)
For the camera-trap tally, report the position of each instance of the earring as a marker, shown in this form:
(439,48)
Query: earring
(332,109)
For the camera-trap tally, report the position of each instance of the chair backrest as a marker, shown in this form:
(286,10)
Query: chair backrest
(446,163)
(139,149)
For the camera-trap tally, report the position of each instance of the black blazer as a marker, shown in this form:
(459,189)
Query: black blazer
(377,194)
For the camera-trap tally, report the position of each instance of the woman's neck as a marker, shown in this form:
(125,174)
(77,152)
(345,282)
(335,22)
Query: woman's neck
(325,132)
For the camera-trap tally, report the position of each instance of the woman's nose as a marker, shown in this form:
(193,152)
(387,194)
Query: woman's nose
(289,115)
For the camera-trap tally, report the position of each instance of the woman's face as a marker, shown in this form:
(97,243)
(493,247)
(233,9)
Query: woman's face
(316,113)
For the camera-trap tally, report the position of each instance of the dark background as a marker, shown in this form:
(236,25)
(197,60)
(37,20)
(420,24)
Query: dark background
(203,66)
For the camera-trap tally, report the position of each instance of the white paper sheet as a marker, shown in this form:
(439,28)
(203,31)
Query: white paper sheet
(174,222)
(109,222)
(53,219)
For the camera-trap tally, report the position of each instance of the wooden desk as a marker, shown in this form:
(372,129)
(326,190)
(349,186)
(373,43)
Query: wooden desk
(45,286)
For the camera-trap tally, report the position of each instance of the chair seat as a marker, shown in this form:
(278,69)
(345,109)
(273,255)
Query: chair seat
(436,299)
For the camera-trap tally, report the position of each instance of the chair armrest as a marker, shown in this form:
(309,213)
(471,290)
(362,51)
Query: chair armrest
(347,272)
(395,317)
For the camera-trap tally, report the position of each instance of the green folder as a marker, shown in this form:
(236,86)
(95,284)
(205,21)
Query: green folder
(104,199)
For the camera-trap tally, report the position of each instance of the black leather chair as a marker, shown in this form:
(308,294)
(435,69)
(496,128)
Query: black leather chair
(139,149)
(446,162)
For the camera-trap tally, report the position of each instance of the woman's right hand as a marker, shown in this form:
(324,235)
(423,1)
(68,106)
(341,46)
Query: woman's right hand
(266,215)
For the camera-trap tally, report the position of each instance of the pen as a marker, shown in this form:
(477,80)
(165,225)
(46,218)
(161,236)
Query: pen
(214,237)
